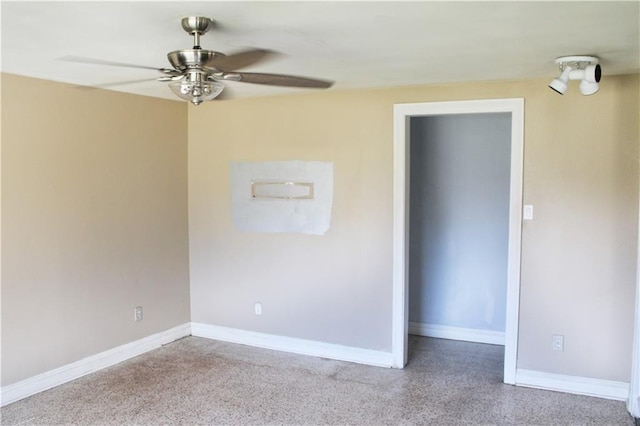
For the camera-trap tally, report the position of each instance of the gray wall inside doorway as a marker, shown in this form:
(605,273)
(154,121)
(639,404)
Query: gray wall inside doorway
(459,213)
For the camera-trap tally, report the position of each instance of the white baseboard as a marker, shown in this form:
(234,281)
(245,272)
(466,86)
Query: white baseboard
(457,333)
(69,372)
(535,379)
(294,345)
(608,389)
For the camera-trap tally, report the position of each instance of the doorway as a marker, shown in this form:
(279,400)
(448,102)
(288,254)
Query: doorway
(459,226)
(402,131)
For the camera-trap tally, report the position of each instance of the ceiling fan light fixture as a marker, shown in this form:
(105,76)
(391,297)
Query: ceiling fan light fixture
(196,91)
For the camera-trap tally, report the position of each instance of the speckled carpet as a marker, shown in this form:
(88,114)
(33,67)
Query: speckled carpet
(201,381)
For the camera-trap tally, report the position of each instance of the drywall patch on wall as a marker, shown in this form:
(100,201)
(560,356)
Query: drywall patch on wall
(282,196)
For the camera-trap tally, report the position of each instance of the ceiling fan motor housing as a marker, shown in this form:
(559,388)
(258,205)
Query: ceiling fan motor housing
(191,58)
(197,57)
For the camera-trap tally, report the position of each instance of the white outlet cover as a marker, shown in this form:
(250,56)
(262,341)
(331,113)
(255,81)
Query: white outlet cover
(527,212)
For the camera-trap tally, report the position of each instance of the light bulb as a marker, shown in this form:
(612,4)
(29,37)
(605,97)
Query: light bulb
(196,92)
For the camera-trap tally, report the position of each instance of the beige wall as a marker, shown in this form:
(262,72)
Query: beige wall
(578,270)
(578,258)
(94,220)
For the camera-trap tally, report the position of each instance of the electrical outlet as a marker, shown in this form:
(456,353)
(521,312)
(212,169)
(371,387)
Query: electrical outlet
(137,314)
(258,308)
(558,342)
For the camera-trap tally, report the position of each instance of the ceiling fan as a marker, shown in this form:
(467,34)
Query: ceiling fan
(197,73)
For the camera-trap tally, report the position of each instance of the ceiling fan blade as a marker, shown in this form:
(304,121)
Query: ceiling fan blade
(240,60)
(117,83)
(93,61)
(278,80)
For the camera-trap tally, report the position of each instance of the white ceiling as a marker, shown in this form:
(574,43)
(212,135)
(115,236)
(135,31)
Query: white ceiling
(357,44)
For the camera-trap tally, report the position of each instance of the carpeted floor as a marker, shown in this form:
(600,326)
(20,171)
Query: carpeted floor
(201,381)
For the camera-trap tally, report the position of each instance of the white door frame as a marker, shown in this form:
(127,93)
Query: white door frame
(400,310)
(633,404)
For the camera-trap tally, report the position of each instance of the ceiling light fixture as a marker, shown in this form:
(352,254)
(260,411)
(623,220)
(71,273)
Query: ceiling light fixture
(196,87)
(583,68)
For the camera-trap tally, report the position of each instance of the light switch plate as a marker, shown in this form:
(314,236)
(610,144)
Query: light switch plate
(527,213)
(558,342)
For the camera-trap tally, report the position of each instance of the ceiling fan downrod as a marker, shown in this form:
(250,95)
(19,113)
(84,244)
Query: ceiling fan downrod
(196,26)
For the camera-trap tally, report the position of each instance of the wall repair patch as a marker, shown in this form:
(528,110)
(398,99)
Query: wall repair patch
(282,196)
